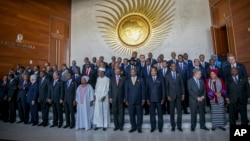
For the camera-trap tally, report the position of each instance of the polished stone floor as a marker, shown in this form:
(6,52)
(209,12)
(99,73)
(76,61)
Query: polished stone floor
(33,133)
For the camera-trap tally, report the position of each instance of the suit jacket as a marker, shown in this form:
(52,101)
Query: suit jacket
(184,72)
(155,90)
(3,90)
(153,61)
(12,89)
(92,76)
(32,93)
(56,92)
(203,73)
(172,61)
(128,70)
(70,91)
(175,88)
(189,63)
(72,68)
(116,92)
(44,88)
(240,91)
(22,90)
(144,73)
(63,76)
(135,94)
(194,91)
(160,74)
(77,79)
(241,71)
(206,65)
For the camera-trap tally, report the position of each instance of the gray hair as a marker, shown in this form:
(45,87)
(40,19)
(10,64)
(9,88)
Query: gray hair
(33,77)
(195,71)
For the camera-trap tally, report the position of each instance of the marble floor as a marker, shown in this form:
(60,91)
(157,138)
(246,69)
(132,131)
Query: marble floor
(23,132)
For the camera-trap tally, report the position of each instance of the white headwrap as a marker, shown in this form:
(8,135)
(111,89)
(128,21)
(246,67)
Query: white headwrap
(102,69)
(86,78)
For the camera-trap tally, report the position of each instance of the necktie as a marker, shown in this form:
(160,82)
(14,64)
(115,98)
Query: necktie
(133,80)
(54,83)
(198,83)
(164,72)
(235,79)
(148,70)
(174,76)
(42,81)
(68,83)
(87,72)
(117,80)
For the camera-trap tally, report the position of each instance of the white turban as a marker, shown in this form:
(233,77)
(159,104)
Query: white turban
(102,69)
(86,78)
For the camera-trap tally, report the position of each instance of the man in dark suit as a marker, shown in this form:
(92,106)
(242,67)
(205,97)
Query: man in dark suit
(145,71)
(187,61)
(134,55)
(135,99)
(125,65)
(155,90)
(74,66)
(3,99)
(43,89)
(173,58)
(56,97)
(77,77)
(23,88)
(212,66)
(69,98)
(197,95)
(12,93)
(175,94)
(142,64)
(113,60)
(163,73)
(152,60)
(91,73)
(32,96)
(131,66)
(238,96)
(182,68)
(233,64)
(116,98)
(197,65)
(203,63)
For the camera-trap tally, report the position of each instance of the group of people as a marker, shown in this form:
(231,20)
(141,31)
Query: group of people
(150,86)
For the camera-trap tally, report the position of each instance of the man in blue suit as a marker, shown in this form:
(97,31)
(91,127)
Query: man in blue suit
(23,88)
(32,96)
(155,98)
(135,99)
(74,66)
(197,65)
(131,66)
(182,68)
(187,61)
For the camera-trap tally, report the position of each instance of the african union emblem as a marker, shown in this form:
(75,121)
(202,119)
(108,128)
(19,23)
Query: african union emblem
(135,25)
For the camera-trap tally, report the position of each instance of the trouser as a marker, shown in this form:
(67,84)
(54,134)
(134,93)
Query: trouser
(153,107)
(23,111)
(197,107)
(118,113)
(57,114)
(4,108)
(34,113)
(178,104)
(233,110)
(45,111)
(12,110)
(135,111)
(69,113)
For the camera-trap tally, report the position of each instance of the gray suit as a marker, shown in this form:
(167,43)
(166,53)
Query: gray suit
(116,93)
(175,90)
(195,106)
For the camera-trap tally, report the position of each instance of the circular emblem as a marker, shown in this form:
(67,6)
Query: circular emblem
(134,30)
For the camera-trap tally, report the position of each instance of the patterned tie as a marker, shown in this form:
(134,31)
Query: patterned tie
(235,79)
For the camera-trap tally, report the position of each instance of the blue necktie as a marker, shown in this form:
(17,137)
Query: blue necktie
(198,83)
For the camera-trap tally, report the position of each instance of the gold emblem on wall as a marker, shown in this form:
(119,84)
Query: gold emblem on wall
(135,25)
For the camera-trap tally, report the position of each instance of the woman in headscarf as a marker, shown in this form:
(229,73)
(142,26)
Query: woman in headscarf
(216,92)
(84,104)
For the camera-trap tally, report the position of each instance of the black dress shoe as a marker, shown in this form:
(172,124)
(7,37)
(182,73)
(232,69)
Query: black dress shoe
(53,125)
(205,128)
(71,127)
(222,128)
(104,129)
(40,124)
(45,125)
(96,128)
(180,129)
(19,121)
(131,130)
(34,124)
(121,129)
(192,129)
(152,130)
(66,126)
(116,129)
(186,112)
(160,130)
(173,129)
(213,128)
(59,126)
(139,131)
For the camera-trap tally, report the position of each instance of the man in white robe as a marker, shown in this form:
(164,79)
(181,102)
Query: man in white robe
(101,110)
(84,101)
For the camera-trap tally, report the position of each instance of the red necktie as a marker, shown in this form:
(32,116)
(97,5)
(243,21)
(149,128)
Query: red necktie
(87,72)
